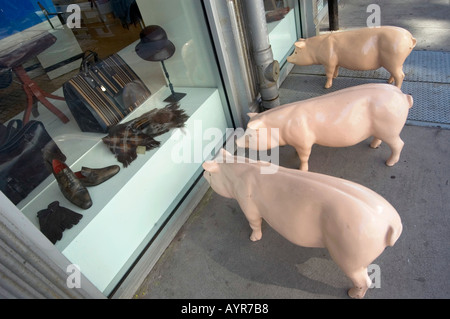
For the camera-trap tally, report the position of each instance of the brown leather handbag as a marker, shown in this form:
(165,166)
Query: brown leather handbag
(26,152)
(103,92)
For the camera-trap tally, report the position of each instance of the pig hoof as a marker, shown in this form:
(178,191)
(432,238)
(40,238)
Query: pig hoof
(390,163)
(256,236)
(356,293)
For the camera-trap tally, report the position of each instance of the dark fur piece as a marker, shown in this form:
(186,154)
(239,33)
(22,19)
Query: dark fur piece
(54,220)
(163,120)
(123,139)
(124,144)
(154,122)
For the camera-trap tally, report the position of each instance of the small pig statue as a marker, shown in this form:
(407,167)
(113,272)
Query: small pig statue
(309,209)
(360,49)
(339,119)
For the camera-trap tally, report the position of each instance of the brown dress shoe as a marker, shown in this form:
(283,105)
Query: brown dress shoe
(70,185)
(95,176)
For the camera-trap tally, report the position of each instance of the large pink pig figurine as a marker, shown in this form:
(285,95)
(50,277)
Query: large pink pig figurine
(309,209)
(360,49)
(339,119)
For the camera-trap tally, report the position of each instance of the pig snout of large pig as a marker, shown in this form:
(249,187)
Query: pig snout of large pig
(301,55)
(248,139)
(290,59)
(260,139)
(242,141)
(251,140)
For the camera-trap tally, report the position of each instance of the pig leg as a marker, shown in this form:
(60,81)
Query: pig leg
(254,219)
(351,261)
(303,154)
(397,75)
(376,142)
(361,282)
(396,145)
(336,72)
(391,80)
(330,70)
(255,225)
(399,79)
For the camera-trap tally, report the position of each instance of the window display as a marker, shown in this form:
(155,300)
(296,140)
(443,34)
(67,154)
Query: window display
(24,153)
(154,46)
(281,17)
(127,78)
(103,93)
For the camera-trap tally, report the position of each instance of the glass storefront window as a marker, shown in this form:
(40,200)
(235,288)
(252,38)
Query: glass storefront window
(282,26)
(41,46)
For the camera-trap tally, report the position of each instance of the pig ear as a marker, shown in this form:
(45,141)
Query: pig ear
(255,124)
(250,115)
(227,157)
(300,43)
(210,166)
(225,152)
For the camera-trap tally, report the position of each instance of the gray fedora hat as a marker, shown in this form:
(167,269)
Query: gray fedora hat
(154,45)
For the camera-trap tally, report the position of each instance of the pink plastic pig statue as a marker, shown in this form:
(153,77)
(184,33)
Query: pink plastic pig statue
(360,49)
(309,209)
(339,119)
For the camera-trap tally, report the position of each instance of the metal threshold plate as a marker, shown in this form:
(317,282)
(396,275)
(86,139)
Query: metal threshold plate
(427,80)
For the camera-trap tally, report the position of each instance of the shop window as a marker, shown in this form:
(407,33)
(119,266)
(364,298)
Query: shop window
(129,208)
(282,25)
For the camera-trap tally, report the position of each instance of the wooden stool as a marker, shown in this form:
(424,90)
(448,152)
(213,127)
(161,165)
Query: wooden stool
(15,58)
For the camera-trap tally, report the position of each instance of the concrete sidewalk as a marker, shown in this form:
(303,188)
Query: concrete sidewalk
(212,256)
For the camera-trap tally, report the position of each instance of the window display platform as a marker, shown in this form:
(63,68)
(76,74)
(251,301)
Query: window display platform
(129,208)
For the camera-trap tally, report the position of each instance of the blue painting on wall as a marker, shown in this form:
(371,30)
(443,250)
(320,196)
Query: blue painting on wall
(16,16)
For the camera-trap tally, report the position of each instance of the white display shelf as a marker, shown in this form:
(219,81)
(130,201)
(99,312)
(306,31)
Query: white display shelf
(129,206)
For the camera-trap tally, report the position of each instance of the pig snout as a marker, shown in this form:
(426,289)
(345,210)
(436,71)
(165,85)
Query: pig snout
(242,141)
(247,140)
(290,59)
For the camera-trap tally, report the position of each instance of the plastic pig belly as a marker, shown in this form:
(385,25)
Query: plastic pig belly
(371,48)
(360,49)
(342,118)
(315,210)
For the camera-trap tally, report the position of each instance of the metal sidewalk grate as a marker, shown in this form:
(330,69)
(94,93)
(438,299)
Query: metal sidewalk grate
(427,80)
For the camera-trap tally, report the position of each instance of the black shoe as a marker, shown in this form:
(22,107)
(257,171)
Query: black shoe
(54,220)
(70,185)
(95,176)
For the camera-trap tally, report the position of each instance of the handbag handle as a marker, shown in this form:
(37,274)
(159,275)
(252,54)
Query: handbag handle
(89,56)
(12,128)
